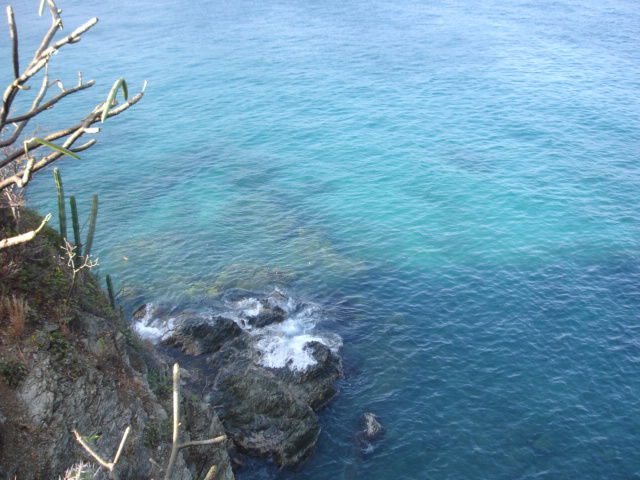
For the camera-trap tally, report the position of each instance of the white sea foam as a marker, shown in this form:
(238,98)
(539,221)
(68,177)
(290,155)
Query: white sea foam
(148,332)
(292,352)
(152,328)
(249,307)
(284,344)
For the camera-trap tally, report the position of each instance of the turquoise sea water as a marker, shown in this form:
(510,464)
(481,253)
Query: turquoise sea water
(455,182)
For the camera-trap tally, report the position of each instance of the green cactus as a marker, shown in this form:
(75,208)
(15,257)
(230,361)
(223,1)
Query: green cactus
(112,297)
(75,223)
(62,211)
(92,225)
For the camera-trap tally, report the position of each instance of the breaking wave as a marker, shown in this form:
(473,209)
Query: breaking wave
(280,344)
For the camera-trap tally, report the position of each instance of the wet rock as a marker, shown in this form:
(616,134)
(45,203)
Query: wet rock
(267,412)
(372,428)
(264,417)
(270,412)
(267,315)
(316,384)
(371,431)
(197,336)
(146,310)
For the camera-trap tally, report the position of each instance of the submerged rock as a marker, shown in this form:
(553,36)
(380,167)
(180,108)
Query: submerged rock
(371,431)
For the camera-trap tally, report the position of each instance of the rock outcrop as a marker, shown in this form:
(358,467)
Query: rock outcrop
(266,411)
(371,431)
(99,392)
(196,336)
(68,360)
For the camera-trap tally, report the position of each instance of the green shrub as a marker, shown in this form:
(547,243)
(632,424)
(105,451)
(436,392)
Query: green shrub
(12,372)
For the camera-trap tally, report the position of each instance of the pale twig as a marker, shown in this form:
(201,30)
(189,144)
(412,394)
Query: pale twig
(40,59)
(108,465)
(211,441)
(25,237)
(56,24)
(87,262)
(78,129)
(36,102)
(13,33)
(175,445)
(50,103)
(211,473)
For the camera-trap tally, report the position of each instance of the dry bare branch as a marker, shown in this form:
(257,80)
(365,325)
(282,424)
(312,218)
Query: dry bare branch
(13,33)
(85,262)
(73,133)
(56,23)
(176,446)
(24,237)
(47,105)
(108,465)
(211,473)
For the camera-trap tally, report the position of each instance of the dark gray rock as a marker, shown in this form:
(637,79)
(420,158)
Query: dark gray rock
(316,384)
(201,423)
(267,316)
(266,412)
(197,336)
(264,417)
(370,432)
(146,309)
(372,429)
(270,412)
(98,391)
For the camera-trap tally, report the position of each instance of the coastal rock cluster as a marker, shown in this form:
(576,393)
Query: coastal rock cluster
(260,365)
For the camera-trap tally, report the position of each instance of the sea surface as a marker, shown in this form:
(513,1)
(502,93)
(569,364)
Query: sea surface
(454,184)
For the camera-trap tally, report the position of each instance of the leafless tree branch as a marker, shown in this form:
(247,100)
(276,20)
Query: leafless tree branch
(108,465)
(41,57)
(176,446)
(25,237)
(56,23)
(20,160)
(47,105)
(13,33)
(72,134)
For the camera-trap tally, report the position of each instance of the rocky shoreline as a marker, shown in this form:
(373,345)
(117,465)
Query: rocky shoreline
(255,367)
(261,365)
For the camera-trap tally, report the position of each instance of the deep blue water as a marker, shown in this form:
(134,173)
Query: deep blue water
(456,182)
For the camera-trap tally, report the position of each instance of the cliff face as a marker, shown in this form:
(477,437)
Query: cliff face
(69,361)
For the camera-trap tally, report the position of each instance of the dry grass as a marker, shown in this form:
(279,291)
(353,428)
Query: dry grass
(13,311)
(81,471)
(8,266)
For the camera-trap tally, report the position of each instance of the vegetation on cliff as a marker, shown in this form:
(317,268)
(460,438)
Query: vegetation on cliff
(68,360)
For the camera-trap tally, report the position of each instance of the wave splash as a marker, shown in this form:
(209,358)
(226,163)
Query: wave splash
(282,328)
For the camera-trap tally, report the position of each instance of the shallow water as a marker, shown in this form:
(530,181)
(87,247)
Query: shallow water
(455,183)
